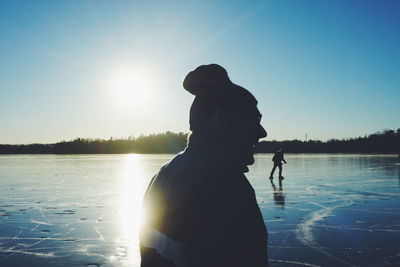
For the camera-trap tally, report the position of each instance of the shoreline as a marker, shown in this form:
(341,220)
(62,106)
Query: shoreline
(261,153)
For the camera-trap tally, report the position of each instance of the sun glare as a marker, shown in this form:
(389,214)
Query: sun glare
(132,189)
(131,87)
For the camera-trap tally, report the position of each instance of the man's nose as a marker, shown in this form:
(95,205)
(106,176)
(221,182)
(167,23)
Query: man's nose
(262,132)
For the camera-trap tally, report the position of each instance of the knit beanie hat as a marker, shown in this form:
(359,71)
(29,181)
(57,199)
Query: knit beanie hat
(213,89)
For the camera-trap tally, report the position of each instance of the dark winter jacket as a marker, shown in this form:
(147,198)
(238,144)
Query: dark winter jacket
(278,158)
(202,212)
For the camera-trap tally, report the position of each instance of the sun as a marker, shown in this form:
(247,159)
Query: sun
(131,87)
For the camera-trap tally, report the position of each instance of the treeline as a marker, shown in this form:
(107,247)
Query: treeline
(162,143)
(387,142)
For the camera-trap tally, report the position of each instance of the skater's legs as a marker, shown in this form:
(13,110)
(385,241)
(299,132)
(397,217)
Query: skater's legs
(273,170)
(280,170)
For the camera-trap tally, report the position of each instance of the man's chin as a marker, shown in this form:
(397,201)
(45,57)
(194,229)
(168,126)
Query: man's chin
(249,160)
(245,158)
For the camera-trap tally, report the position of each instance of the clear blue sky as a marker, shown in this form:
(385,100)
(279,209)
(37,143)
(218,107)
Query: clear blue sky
(327,68)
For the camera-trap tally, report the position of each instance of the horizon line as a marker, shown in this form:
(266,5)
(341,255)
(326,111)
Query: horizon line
(187,133)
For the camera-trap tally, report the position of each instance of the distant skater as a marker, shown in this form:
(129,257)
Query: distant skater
(277,159)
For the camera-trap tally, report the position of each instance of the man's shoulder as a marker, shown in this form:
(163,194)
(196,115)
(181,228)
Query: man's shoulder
(188,163)
(178,171)
(174,165)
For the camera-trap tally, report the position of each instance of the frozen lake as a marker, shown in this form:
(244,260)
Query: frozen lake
(83,210)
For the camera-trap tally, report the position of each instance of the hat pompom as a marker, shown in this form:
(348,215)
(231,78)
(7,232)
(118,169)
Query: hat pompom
(205,79)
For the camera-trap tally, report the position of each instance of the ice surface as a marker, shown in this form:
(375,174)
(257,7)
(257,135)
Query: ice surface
(332,210)
(83,210)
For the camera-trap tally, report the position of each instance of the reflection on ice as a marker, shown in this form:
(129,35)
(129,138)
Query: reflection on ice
(72,210)
(279,196)
(84,210)
(132,187)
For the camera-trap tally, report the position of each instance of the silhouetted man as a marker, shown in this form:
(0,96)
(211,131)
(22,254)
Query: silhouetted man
(277,159)
(201,209)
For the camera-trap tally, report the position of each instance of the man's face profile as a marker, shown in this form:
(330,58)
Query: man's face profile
(242,134)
